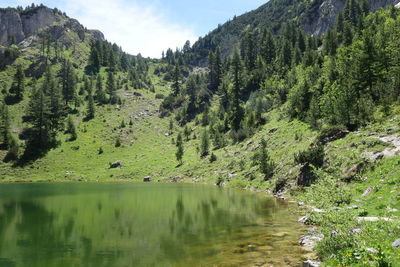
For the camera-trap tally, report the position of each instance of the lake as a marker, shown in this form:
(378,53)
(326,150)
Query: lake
(95,224)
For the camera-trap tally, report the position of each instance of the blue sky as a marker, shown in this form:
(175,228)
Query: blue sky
(151,26)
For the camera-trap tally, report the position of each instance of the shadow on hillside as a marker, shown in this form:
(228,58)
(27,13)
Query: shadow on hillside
(12,100)
(32,153)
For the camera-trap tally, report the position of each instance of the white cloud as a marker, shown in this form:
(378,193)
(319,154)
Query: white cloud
(137,28)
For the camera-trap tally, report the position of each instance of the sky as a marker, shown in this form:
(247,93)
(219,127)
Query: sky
(148,26)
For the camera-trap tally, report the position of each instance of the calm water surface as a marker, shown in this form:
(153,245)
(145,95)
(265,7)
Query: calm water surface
(143,225)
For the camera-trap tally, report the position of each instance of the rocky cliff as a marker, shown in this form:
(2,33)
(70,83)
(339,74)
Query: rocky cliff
(325,17)
(20,26)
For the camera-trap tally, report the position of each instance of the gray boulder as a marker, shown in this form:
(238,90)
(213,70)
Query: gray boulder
(396,244)
(367,192)
(116,164)
(310,263)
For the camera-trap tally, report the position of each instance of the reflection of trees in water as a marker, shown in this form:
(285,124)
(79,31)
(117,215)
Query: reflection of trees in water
(38,237)
(78,229)
(197,229)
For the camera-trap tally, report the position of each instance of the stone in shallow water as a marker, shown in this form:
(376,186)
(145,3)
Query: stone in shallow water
(265,248)
(280,234)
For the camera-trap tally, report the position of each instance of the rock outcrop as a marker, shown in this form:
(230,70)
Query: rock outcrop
(325,17)
(20,26)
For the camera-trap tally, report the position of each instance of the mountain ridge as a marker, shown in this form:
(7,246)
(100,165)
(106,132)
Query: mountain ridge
(315,17)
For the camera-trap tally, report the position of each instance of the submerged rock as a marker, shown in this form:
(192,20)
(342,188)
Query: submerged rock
(280,234)
(310,240)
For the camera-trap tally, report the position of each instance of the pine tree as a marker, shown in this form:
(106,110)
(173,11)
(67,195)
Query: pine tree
(218,67)
(94,58)
(236,112)
(112,64)
(5,131)
(71,129)
(179,151)
(330,43)
(215,65)
(37,115)
(111,88)
(268,47)
(250,51)
(100,94)
(90,112)
(204,144)
(124,62)
(191,93)
(17,88)
(171,126)
(68,82)
(264,162)
(286,54)
(347,34)
(176,87)
(13,149)
(205,119)
(56,105)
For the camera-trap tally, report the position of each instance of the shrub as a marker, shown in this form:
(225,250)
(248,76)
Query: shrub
(213,158)
(118,142)
(160,96)
(313,156)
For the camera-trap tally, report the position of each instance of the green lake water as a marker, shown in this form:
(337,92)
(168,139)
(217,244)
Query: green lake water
(79,224)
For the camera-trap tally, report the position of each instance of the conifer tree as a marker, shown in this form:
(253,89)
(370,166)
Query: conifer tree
(13,149)
(236,112)
(176,87)
(179,151)
(56,106)
(286,54)
(191,93)
(68,82)
(5,131)
(71,129)
(215,66)
(264,162)
(204,144)
(100,94)
(37,115)
(17,88)
(268,47)
(90,113)
(250,51)
(111,88)
(94,58)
